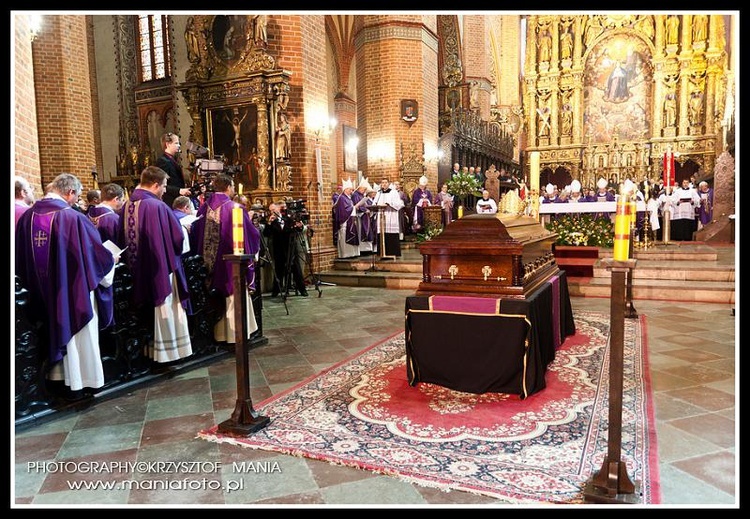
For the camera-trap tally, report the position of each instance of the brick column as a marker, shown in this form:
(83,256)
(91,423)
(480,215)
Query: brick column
(476,60)
(396,58)
(65,119)
(26,138)
(300,46)
(345,109)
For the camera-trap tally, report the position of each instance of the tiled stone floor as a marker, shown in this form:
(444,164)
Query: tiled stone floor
(692,361)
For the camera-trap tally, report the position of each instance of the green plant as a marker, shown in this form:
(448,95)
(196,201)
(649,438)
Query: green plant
(583,230)
(463,185)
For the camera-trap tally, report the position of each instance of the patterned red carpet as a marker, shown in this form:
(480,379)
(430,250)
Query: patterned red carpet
(543,449)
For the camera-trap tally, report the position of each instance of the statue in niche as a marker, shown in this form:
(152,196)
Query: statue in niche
(700,27)
(673,29)
(260,30)
(283,137)
(191,41)
(670,110)
(545,45)
(566,40)
(566,120)
(696,108)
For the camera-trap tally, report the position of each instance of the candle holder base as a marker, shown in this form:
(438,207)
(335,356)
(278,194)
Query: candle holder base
(594,494)
(244,420)
(230,427)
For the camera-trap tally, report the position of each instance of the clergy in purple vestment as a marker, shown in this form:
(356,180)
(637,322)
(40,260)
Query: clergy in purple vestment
(368,219)
(104,215)
(154,241)
(345,235)
(359,199)
(420,198)
(60,259)
(706,207)
(213,239)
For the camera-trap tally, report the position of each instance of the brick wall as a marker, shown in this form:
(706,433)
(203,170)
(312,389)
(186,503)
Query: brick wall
(299,45)
(26,145)
(396,59)
(64,113)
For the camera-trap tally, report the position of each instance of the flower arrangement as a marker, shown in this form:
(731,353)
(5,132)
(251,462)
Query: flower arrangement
(583,230)
(463,185)
(428,234)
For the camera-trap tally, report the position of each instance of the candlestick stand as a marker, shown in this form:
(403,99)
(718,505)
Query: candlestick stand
(244,420)
(611,484)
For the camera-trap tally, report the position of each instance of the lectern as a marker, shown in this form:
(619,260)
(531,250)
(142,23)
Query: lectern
(380,210)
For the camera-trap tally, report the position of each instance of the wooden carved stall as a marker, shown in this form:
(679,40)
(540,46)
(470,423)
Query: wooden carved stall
(607,95)
(237,99)
(471,141)
(465,138)
(122,347)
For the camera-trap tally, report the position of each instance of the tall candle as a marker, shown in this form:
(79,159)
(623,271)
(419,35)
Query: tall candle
(622,229)
(239,188)
(534,166)
(238,237)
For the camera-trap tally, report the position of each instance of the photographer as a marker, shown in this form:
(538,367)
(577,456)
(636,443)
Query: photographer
(284,231)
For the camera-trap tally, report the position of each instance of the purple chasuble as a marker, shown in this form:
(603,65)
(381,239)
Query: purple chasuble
(366,233)
(106,221)
(213,239)
(417,196)
(60,260)
(342,216)
(154,238)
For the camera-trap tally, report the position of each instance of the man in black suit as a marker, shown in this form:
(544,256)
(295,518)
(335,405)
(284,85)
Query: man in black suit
(282,230)
(169,162)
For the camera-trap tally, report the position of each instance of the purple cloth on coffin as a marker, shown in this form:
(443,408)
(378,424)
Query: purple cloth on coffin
(60,259)
(556,335)
(213,243)
(465,304)
(154,238)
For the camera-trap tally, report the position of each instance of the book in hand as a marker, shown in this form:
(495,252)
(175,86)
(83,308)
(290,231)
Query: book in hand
(114,249)
(189,219)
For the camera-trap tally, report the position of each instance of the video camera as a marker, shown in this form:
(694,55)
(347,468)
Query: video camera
(297,211)
(207,169)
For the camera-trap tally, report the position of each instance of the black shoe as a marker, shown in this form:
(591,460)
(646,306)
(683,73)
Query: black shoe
(274,294)
(304,293)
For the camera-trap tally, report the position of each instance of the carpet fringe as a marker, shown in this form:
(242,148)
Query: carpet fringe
(212,436)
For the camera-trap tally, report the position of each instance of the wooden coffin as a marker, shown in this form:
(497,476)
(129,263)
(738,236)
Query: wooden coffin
(488,255)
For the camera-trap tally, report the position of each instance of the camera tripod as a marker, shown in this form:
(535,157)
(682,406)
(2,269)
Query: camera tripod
(264,257)
(296,251)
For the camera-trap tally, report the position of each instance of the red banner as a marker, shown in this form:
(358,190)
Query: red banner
(668,168)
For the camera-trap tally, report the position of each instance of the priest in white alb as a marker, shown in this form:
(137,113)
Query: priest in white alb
(389,201)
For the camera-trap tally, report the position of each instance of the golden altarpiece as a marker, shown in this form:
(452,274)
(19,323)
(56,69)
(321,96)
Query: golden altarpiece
(237,99)
(608,95)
